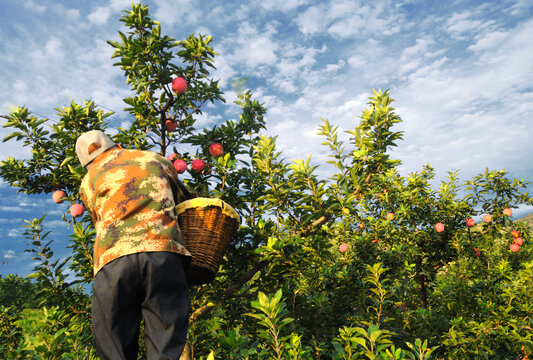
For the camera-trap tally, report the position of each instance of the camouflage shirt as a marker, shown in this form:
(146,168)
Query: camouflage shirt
(131,196)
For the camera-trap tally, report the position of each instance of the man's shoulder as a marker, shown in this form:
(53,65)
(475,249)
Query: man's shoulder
(135,152)
(140,154)
(84,185)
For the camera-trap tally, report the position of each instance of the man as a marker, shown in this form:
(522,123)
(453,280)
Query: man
(139,256)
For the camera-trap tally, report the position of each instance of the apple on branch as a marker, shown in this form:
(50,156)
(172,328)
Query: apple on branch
(197,165)
(216,150)
(180,166)
(519,241)
(343,247)
(477,252)
(470,222)
(173,156)
(179,85)
(58,196)
(390,216)
(77,210)
(171,125)
(439,227)
(508,212)
(514,247)
(487,218)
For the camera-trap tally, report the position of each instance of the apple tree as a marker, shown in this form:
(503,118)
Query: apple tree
(365,263)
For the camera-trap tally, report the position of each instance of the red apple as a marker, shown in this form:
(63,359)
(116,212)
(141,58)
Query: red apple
(487,218)
(172,157)
(390,216)
(439,227)
(514,247)
(180,166)
(171,125)
(179,85)
(375,241)
(519,241)
(508,212)
(515,233)
(77,210)
(343,247)
(477,252)
(197,165)
(216,149)
(470,222)
(57,195)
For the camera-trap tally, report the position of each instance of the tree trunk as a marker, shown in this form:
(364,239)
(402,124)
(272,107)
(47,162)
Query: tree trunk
(422,291)
(187,353)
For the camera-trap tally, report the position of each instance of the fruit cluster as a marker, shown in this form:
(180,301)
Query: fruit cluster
(439,227)
(197,165)
(76,210)
(179,86)
(517,241)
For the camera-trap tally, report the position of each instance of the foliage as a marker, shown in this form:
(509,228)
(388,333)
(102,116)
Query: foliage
(402,290)
(17,292)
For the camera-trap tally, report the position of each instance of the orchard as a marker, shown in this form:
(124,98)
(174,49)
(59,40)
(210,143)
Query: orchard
(364,264)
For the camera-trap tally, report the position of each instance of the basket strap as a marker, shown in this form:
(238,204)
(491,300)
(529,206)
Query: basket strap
(186,193)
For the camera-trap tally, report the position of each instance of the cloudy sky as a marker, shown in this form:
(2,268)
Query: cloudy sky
(461,73)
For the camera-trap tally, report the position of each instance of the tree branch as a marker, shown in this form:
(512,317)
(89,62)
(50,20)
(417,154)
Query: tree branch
(229,292)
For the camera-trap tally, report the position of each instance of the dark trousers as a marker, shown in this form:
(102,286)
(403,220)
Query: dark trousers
(149,285)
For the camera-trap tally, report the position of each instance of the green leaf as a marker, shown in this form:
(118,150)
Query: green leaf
(18,135)
(67,161)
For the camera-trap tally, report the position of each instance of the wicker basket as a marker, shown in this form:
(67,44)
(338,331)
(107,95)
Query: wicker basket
(207,226)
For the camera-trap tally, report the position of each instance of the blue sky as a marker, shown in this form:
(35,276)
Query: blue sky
(461,73)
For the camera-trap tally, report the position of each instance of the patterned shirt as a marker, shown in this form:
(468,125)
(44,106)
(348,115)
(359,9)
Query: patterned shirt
(131,196)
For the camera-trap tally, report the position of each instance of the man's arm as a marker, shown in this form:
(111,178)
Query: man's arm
(88,204)
(182,192)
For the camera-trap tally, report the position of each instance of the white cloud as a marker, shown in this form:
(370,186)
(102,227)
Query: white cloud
(53,50)
(120,5)
(99,16)
(347,27)
(312,20)
(462,25)
(55,224)
(296,60)
(72,14)
(419,49)
(15,232)
(357,61)
(347,19)
(11,209)
(488,41)
(521,7)
(257,46)
(335,67)
(9,254)
(176,12)
(11,221)
(280,5)
(37,7)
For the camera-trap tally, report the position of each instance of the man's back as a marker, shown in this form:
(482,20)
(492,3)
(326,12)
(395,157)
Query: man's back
(131,195)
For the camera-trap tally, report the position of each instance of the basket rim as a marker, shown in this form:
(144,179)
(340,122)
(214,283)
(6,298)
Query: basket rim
(202,202)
